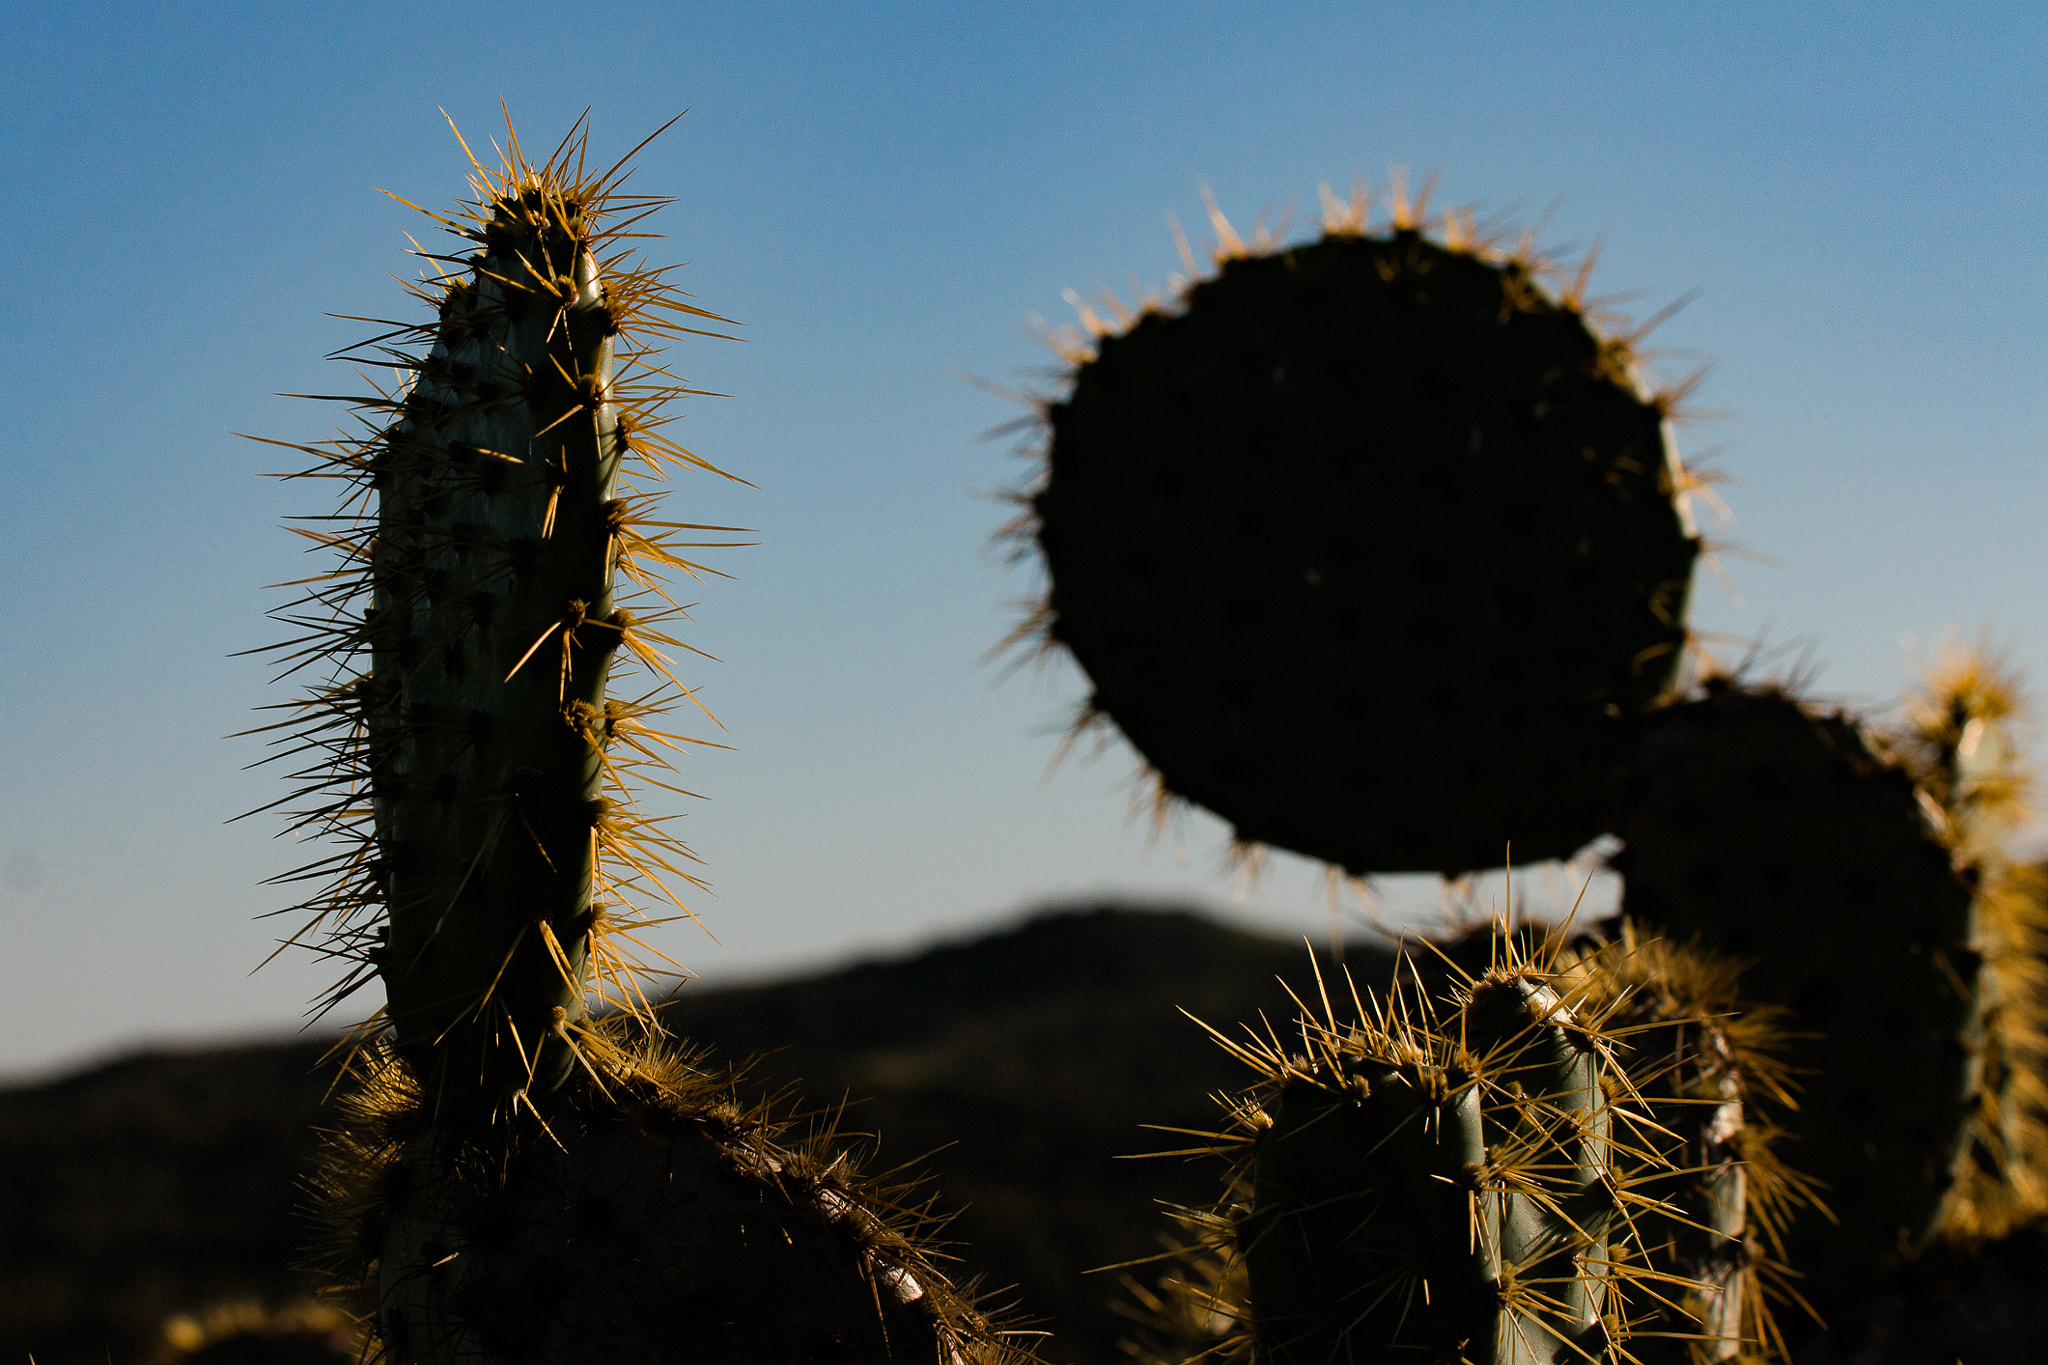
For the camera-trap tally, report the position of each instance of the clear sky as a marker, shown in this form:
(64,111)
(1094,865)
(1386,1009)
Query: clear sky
(885,195)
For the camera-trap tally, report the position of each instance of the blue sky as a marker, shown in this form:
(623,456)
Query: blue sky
(885,195)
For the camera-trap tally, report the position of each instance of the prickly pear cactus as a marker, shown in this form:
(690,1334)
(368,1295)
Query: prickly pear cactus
(1458,1178)
(1781,835)
(655,1220)
(1371,546)
(470,757)
(518,1183)
(1561,1159)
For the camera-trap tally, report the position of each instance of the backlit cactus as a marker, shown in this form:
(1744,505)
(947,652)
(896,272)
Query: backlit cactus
(521,1177)
(1958,741)
(1781,834)
(1705,1071)
(1376,550)
(1549,1161)
(1372,546)
(470,753)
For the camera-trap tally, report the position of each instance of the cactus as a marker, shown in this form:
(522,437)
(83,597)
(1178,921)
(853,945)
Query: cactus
(519,1176)
(1704,1068)
(1246,514)
(509,477)
(654,1219)
(1549,1160)
(1370,546)
(1770,828)
(1460,1176)
(1957,742)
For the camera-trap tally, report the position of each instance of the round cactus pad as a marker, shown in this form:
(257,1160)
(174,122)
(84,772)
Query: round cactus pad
(1370,549)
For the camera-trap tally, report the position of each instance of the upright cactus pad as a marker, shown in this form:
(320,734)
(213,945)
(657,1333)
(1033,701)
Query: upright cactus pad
(476,765)
(1371,546)
(1780,835)
(1958,742)
(1705,1068)
(516,1182)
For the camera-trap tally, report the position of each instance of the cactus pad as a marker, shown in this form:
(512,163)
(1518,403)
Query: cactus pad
(1370,546)
(653,1219)
(1706,1069)
(1624,1204)
(1958,741)
(465,742)
(1779,835)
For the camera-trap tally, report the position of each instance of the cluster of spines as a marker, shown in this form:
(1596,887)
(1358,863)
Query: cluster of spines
(408,541)
(1550,1166)
(1707,1072)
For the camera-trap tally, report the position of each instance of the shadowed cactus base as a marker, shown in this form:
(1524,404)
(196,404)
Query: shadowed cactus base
(656,1220)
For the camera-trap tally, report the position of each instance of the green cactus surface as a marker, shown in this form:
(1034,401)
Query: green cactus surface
(1558,1157)
(1705,1068)
(1370,546)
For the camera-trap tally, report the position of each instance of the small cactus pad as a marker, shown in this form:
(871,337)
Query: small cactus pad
(653,1219)
(1372,548)
(1778,835)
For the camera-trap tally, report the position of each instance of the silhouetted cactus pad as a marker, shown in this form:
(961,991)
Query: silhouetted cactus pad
(1778,833)
(650,1217)
(1371,550)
